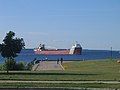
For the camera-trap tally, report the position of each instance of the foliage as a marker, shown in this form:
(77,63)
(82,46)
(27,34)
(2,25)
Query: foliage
(10,64)
(1,67)
(10,48)
(29,66)
(20,66)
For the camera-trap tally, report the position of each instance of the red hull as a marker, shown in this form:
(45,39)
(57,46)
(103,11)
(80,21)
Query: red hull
(76,49)
(53,52)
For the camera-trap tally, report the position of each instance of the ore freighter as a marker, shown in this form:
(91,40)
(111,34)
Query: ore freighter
(75,49)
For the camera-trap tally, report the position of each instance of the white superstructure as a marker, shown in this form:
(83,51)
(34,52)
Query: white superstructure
(76,48)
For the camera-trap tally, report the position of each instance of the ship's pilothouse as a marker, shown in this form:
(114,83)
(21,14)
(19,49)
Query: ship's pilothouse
(76,49)
(41,47)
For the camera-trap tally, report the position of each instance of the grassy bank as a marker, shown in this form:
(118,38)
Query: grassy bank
(95,70)
(74,71)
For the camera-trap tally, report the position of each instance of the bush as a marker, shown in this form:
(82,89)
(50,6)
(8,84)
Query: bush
(10,64)
(1,67)
(29,66)
(20,66)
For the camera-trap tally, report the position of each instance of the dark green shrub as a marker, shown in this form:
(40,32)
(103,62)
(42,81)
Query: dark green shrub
(2,67)
(29,66)
(20,66)
(10,64)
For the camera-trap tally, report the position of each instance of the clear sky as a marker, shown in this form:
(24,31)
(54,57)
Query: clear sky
(95,24)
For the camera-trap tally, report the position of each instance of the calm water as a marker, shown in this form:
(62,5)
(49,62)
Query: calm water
(28,55)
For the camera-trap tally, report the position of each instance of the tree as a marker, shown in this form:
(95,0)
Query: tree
(10,64)
(10,48)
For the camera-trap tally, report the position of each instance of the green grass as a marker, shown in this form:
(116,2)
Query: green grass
(74,71)
(44,75)
(96,70)
(107,70)
(63,85)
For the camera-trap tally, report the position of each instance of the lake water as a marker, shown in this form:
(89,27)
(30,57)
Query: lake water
(28,55)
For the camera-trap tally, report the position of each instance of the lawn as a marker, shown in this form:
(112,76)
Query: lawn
(95,70)
(62,85)
(105,70)
(74,71)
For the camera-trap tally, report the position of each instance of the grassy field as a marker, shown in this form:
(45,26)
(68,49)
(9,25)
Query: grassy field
(74,71)
(95,70)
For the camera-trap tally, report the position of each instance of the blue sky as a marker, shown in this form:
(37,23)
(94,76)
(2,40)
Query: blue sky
(95,24)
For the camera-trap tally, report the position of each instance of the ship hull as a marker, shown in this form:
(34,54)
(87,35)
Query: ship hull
(76,49)
(56,52)
(53,52)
